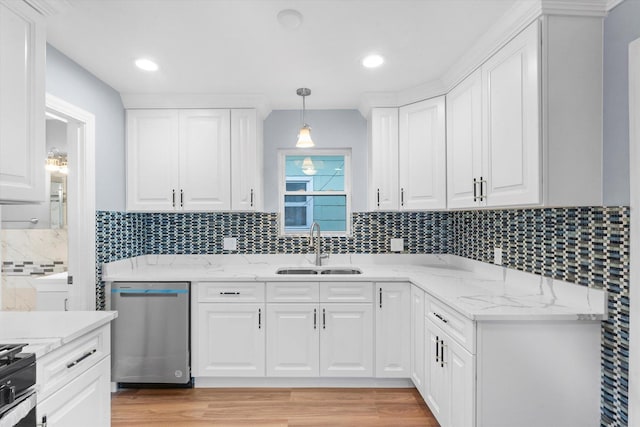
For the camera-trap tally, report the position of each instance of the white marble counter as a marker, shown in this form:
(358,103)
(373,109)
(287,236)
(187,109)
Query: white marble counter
(480,291)
(45,331)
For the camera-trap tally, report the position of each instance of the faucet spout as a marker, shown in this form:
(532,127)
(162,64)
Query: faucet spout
(317,246)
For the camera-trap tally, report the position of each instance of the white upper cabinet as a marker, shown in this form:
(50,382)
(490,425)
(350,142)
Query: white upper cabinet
(407,157)
(464,142)
(383,159)
(204,160)
(152,154)
(193,160)
(22,85)
(246,161)
(422,155)
(526,128)
(510,83)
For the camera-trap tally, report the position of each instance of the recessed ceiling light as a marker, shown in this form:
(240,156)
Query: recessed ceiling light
(146,64)
(372,61)
(290,19)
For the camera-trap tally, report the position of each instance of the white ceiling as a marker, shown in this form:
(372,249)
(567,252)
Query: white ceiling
(238,46)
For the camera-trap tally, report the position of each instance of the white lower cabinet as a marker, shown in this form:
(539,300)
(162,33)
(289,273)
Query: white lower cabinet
(308,336)
(346,340)
(293,340)
(73,382)
(231,340)
(450,379)
(393,330)
(417,338)
(84,401)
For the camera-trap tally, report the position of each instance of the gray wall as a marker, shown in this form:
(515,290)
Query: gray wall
(621,27)
(329,129)
(72,83)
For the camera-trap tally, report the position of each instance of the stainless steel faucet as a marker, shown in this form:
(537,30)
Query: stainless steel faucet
(319,256)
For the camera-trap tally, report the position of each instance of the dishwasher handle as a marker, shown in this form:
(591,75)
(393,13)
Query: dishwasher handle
(149,292)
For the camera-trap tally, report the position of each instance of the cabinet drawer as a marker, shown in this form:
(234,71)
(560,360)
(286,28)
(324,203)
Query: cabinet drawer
(453,323)
(231,292)
(66,363)
(293,292)
(346,292)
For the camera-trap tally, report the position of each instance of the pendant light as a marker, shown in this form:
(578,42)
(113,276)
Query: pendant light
(304,136)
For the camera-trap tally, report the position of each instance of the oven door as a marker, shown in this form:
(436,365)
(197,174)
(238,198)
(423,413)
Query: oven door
(21,412)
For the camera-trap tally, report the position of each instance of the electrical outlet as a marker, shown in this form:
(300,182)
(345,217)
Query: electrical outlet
(397,245)
(497,256)
(230,244)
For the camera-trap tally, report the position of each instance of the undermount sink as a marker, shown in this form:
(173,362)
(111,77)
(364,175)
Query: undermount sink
(341,271)
(329,270)
(296,271)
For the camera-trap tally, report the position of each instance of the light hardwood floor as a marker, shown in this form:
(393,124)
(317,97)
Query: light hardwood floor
(270,407)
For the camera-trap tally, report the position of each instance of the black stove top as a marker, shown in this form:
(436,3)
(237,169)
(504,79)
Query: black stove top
(17,374)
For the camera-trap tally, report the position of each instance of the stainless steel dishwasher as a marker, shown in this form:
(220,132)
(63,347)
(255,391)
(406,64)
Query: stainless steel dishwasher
(150,336)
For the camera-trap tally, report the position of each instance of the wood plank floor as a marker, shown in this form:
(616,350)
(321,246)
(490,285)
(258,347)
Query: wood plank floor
(280,407)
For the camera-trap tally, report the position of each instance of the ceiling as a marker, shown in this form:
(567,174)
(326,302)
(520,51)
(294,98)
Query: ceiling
(238,47)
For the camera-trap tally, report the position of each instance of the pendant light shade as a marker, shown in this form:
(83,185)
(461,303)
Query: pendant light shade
(308,168)
(304,136)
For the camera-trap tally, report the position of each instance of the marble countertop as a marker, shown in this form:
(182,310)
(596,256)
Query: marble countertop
(479,291)
(45,331)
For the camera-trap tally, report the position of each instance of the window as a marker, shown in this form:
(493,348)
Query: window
(314,186)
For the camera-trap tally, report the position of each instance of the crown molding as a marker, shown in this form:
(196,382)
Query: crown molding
(196,100)
(49,7)
(613,3)
(369,100)
(597,8)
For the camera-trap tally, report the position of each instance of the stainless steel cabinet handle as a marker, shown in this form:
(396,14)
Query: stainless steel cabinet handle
(401,196)
(380,296)
(442,353)
(181,198)
(324,319)
(314,318)
(482,189)
(441,317)
(259,318)
(173,197)
(229,293)
(378,197)
(437,348)
(66,304)
(251,197)
(81,358)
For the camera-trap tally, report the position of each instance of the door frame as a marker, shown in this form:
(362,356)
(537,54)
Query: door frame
(634,257)
(82,242)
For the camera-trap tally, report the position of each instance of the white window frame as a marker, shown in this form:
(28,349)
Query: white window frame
(308,181)
(282,155)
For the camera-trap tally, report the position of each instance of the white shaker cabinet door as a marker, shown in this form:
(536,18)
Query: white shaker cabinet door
(461,368)
(293,340)
(84,401)
(246,161)
(22,102)
(383,160)
(205,170)
(464,142)
(512,122)
(435,387)
(346,340)
(422,155)
(417,338)
(393,330)
(152,160)
(231,340)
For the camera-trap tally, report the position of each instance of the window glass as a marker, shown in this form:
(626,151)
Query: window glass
(315,189)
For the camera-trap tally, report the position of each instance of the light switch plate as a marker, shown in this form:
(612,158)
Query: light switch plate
(497,256)
(397,245)
(230,244)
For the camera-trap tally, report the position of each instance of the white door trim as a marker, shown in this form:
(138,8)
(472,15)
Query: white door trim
(82,244)
(634,258)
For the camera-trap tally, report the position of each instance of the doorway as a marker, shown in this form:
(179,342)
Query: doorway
(48,249)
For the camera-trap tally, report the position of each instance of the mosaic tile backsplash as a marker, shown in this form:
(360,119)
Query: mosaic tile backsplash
(586,245)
